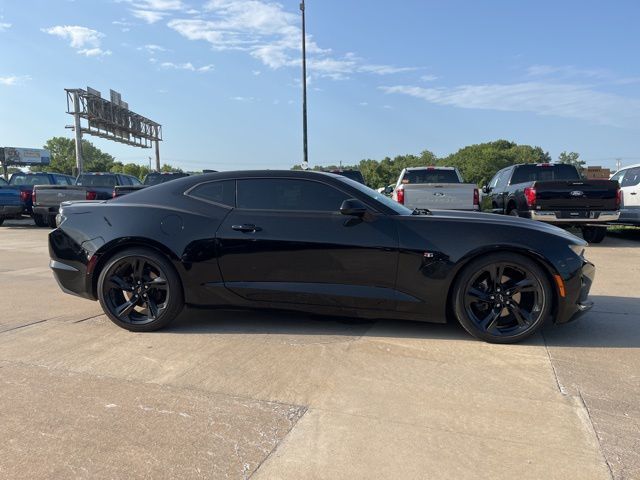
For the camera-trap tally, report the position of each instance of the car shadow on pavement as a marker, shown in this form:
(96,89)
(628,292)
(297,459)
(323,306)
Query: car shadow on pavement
(226,321)
(614,322)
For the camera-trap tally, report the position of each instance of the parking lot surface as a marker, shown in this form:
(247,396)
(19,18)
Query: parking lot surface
(230,394)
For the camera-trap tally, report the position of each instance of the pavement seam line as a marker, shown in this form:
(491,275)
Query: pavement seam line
(26,325)
(595,433)
(275,447)
(561,389)
(88,318)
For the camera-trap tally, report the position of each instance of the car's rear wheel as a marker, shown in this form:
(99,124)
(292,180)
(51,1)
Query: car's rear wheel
(51,221)
(140,290)
(40,220)
(594,234)
(502,298)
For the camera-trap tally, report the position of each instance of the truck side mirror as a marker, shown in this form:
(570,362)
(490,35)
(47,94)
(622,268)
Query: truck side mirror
(486,189)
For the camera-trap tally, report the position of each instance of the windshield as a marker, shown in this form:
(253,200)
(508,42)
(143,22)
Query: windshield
(3,181)
(158,179)
(379,197)
(31,179)
(432,175)
(540,173)
(97,180)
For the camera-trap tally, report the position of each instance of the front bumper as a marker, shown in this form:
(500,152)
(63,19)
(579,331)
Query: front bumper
(586,217)
(576,302)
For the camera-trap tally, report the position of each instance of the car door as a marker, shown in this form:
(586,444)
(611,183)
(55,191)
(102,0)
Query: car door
(496,194)
(287,242)
(630,186)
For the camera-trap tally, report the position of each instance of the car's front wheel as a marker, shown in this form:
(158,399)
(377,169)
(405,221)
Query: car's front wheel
(140,290)
(40,220)
(502,298)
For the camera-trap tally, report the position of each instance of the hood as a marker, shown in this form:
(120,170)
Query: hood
(508,220)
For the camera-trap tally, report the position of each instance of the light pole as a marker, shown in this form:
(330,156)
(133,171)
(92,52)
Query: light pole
(305,159)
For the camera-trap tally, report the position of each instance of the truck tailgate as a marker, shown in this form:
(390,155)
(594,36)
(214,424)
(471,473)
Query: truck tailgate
(576,195)
(53,195)
(443,196)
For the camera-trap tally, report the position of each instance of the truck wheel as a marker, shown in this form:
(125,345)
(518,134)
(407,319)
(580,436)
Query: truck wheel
(514,213)
(51,221)
(40,220)
(1,220)
(594,234)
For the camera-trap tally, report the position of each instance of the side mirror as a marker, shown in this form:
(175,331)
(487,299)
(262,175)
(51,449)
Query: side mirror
(353,207)
(486,189)
(388,190)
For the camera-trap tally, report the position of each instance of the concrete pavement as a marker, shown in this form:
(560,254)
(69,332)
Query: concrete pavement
(245,394)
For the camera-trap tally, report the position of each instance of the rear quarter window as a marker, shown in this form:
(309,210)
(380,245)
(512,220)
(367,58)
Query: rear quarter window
(222,192)
(430,176)
(541,173)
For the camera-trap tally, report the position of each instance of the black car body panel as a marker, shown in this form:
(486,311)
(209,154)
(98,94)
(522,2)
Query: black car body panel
(382,265)
(150,180)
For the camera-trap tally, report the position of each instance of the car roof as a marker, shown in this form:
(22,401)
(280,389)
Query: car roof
(430,167)
(626,167)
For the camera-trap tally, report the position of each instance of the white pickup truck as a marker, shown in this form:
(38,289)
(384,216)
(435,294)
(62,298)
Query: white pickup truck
(435,188)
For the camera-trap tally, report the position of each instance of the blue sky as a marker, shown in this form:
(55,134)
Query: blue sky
(385,78)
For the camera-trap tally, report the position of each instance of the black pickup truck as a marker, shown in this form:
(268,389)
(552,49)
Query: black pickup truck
(155,178)
(554,193)
(88,186)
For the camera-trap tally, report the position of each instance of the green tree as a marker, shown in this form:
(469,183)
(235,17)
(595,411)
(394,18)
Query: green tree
(572,158)
(169,168)
(479,163)
(63,157)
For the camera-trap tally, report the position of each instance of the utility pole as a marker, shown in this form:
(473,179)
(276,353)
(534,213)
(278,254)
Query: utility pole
(158,155)
(305,158)
(78,132)
(618,164)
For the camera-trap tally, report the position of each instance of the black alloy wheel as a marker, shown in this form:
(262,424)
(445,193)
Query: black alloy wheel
(502,298)
(140,291)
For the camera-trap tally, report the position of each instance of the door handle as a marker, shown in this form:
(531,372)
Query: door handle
(633,193)
(246,228)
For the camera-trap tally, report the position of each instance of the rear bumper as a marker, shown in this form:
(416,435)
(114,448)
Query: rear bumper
(11,210)
(46,211)
(574,217)
(630,215)
(576,302)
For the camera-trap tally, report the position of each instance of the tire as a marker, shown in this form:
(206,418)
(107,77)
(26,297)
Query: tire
(1,221)
(140,291)
(514,213)
(497,310)
(594,234)
(39,220)
(51,221)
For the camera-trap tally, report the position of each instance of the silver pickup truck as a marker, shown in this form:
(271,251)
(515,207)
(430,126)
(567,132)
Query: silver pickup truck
(435,188)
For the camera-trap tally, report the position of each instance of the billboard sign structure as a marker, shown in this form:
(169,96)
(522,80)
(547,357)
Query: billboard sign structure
(111,119)
(26,156)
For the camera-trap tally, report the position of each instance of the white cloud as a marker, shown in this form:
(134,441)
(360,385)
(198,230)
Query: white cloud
(256,72)
(429,78)
(152,48)
(564,72)
(242,99)
(13,80)
(186,66)
(148,16)
(364,104)
(270,34)
(85,40)
(4,26)
(557,99)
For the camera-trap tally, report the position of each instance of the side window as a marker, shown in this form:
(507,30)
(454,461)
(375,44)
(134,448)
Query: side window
(60,180)
(288,194)
(222,192)
(618,176)
(134,181)
(501,179)
(124,180)
(494,181)
(632,178)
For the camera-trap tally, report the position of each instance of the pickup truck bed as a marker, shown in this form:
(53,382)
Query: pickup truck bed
(10,203)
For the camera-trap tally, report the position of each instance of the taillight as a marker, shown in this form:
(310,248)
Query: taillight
(618,198)
(113,194)
(530,195)
(476,198)
(33,196)
(25,195)
(91,195)
(400,195)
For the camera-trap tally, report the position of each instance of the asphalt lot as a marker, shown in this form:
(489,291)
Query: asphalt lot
(232,394)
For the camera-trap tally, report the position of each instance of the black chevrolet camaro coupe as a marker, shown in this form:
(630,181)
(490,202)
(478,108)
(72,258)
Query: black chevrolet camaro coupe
(314,242)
